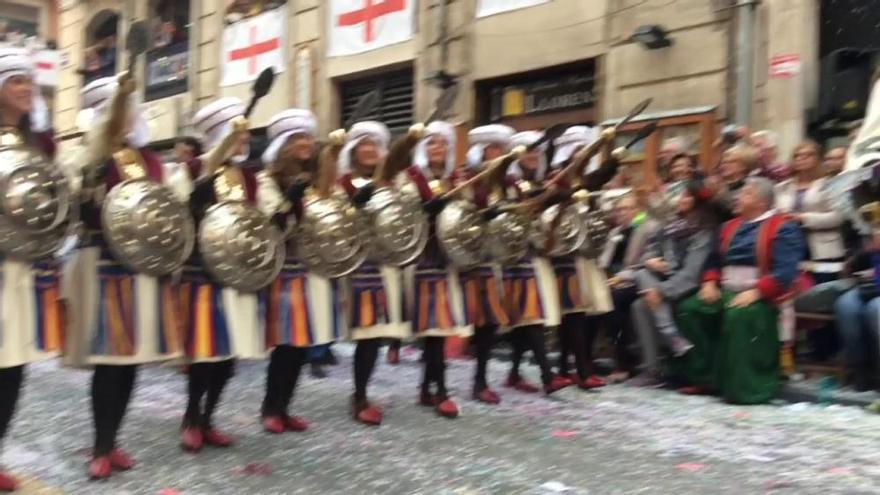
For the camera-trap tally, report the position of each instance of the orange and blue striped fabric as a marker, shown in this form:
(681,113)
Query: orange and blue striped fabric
(49,311)
(522,300)
(369,304)
(569,287)
(483,303)
(433,308)
(207,332)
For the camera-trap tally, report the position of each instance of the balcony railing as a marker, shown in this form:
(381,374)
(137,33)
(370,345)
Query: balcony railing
(166,71)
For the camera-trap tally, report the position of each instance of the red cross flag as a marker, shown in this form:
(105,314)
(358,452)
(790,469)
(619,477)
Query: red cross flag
(48,66)
(357,26)
(251,45)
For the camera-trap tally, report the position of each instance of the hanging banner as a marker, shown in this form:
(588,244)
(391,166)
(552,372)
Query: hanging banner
(358,26)
(48,67)
(250,45)
(486,8)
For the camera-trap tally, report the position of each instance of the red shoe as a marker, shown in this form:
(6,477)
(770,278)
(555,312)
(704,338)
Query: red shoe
(191,439)
(274,424)
(393,356)
(590,383)
(556,384)
(447,408)
(216,438)
(7,483)
(100,468)
(120,460)
(367,414)
(428,400)
(517,383)
(694,390)
(295,423)
(487,396)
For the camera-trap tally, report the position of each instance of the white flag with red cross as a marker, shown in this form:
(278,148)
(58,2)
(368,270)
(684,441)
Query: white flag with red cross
(491,7)
(357,26)
(250,45)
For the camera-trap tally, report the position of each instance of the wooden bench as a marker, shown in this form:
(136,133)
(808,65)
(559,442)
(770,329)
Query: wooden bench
(836,367)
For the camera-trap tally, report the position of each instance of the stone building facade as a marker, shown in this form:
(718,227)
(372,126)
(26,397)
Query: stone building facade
(586,43)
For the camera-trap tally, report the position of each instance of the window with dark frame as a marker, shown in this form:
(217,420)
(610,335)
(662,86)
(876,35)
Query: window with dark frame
(396,97)
(167,63)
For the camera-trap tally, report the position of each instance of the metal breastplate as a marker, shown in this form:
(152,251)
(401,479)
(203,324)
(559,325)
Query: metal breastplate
(146,228)
(240,246)
(37,212)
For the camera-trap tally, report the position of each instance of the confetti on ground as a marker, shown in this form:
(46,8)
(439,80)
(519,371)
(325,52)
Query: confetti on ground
(626,440)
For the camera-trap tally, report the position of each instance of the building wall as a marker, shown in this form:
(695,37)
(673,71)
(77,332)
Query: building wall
(695,71)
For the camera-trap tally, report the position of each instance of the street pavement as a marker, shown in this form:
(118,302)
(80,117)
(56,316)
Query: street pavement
(615,441)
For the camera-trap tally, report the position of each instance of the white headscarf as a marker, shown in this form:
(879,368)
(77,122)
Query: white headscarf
(96,97)
(526,138)
(214,122)
(18,62)
(420,155)
(283,126)
(371,129)
(573,138)
(483,136)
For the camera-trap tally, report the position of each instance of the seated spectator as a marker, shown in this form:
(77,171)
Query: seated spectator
(733,321)
(664,202)
(769,165)
(834,161)
(857,316)
(671,149)
(623,252)
(723,187)
(672,270)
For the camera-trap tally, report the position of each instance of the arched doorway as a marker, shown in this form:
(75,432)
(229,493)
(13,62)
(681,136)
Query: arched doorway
(101,41)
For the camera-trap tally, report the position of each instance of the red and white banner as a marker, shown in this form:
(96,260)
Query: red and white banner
(250,45)
(491,7)
(48,67)
(785,65)
(357,26)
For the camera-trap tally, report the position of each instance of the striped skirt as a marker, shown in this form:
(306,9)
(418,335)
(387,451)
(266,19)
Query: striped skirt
(437,305)
(117,316)
(583,287)
(483,297)
(530,294)
(32,316)
(219,322)
(372,299)
(302,309)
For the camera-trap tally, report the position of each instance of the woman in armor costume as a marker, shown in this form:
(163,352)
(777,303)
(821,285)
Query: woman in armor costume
(436,293)
(220,323)
(300,305)
(582,287)
(484,307)
(374,292)
(530,293)
(119,318)
(31,310)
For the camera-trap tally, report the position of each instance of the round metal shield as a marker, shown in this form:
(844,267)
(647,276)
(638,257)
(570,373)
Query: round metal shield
(398,227)
(598,227)
(146,228)
(508,237)
(460,231)
(240,247)
(568,230)
(34,193)
(327,240)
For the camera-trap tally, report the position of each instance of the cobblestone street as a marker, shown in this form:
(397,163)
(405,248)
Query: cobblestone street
(618,440)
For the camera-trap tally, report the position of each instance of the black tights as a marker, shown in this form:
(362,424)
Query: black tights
(531,338)
(435,366)
(365,354)
(282,374)
(484,337)
(111,391)
(206,380)
(10,389)
(573,336)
